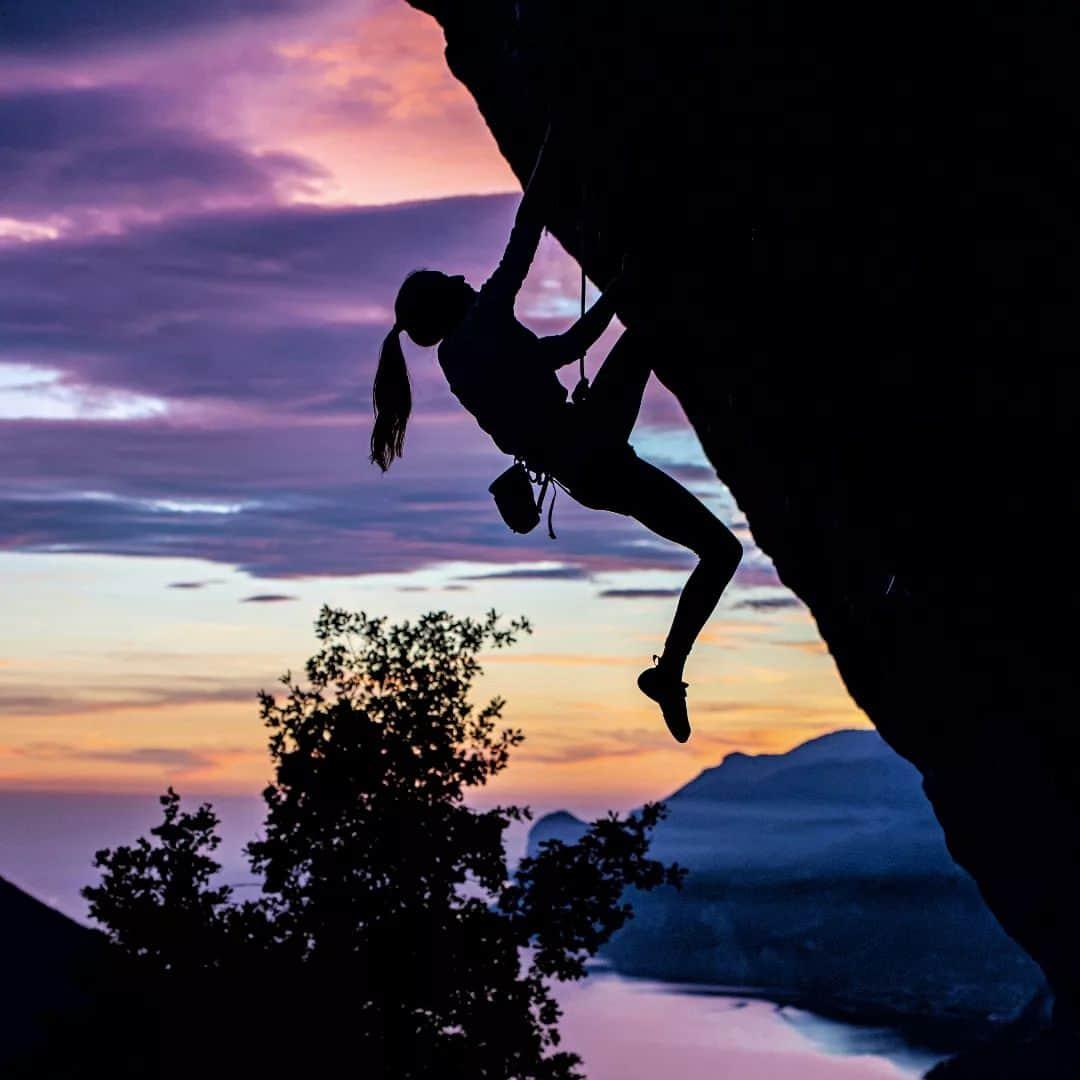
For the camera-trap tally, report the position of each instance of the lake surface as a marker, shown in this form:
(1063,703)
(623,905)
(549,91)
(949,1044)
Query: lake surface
(637,1029)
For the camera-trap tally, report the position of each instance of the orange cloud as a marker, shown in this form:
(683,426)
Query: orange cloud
(559,659)
(376,105)
(392,62)
(817,648)
(728,632)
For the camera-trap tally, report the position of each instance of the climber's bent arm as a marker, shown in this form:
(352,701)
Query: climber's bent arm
(562,349)
(505,283)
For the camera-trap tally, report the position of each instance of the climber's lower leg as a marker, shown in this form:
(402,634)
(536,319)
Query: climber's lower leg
(665,507)
(697,602)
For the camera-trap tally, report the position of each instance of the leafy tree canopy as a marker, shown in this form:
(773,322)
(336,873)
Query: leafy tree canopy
(391,939)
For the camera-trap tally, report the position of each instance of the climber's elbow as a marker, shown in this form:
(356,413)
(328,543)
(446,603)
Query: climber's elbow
(557,351)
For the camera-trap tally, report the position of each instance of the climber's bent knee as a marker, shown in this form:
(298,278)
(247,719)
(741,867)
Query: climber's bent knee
(720,549)
(665,507)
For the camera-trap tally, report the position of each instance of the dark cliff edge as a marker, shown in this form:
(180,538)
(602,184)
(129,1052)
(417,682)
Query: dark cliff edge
(860,239)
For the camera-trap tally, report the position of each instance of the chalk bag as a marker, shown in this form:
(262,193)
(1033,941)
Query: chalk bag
(514,498)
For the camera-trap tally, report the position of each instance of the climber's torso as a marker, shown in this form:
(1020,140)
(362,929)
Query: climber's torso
(496,371)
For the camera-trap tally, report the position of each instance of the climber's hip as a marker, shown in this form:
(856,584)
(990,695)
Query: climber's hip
(597,469)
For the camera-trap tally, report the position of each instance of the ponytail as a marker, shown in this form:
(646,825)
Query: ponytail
(392,400)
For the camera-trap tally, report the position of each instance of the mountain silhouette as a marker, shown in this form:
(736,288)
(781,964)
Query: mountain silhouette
(822,767)
(822,874)
(841,803)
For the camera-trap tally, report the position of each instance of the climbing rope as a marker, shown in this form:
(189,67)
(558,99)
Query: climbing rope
(581,391)
(538,475)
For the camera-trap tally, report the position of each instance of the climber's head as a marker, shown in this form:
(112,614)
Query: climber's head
(429,305)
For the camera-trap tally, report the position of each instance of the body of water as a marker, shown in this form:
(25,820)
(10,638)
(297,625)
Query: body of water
(637,1029)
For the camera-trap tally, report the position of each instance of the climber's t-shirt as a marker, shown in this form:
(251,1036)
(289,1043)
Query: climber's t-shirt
(496,367)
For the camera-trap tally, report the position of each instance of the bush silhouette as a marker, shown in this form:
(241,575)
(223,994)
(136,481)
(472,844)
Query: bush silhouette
(390,939)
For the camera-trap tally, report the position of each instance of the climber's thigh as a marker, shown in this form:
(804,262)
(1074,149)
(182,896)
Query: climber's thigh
(614,399)
(598,475)
(666,508)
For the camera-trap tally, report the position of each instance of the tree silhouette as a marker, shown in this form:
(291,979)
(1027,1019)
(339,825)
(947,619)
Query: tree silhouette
(390,940)
(157,899)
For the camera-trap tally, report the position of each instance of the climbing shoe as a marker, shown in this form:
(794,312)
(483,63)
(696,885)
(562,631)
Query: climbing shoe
(670,694)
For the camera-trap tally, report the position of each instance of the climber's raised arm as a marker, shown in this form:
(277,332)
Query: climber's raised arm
(505,283)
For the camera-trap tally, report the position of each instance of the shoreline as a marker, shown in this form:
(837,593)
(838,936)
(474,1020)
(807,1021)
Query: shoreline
(936,1033)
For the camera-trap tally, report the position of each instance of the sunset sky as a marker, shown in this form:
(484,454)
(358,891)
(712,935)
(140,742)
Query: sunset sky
(206,208)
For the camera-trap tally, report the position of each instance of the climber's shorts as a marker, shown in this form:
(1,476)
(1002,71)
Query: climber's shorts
(598,471)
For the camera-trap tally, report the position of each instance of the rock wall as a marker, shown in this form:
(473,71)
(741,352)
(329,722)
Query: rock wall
(860,233)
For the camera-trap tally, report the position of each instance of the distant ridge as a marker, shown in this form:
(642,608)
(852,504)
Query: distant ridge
(741,770)
(847,766)
(560,825)
(728,813)
(823,871)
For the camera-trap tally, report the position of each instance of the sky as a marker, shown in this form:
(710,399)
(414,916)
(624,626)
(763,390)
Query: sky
(206,208)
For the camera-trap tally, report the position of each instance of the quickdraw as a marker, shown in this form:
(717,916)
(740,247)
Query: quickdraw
(581,391)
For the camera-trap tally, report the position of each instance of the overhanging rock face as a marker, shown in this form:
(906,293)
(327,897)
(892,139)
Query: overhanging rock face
(859,228)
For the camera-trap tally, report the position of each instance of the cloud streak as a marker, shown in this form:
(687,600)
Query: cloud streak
(17,701)
(638,594)
(770,603)
(535,573)
(177,759)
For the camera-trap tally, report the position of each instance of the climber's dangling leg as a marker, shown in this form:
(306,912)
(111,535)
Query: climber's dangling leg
(666,508)
(601,471)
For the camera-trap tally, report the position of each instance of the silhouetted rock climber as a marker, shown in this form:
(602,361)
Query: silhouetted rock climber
(505,376)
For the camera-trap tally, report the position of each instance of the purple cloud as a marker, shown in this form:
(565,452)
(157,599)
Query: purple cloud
(257,330)
(539,573)
(754,574)
(103,154)
(770,603)
(267,598)
(637,594)
(34,26)
(166,756)
(285,531)
(280,309)
(283,307)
